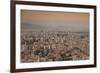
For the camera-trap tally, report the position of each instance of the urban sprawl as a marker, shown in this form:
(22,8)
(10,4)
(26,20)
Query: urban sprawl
(46,46)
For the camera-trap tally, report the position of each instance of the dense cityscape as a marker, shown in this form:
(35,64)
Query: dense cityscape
(46,46)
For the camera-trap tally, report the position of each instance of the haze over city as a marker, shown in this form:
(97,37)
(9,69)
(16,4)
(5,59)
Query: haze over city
(54,21)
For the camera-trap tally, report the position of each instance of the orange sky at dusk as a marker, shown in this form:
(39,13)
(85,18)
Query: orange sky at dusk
(55,17)
(66,18)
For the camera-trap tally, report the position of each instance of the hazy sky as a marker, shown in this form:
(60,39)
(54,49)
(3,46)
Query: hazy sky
(54,21)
